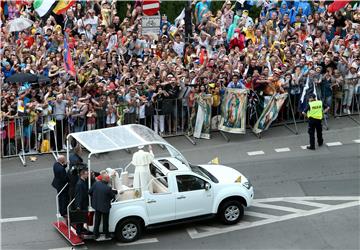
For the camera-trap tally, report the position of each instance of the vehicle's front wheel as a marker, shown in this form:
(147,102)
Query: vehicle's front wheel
(128,230)
(231,212)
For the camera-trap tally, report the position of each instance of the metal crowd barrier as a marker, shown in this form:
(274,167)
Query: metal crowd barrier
(21,136)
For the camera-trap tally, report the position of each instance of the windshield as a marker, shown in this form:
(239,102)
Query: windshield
(204,173)
(174,153)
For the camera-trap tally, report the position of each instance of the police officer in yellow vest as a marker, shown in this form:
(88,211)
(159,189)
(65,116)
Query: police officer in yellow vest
(314,112)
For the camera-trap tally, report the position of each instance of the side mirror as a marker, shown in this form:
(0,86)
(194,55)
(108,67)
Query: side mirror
(207,186)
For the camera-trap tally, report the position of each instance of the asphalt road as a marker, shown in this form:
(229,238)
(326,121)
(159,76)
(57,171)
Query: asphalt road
(323,215)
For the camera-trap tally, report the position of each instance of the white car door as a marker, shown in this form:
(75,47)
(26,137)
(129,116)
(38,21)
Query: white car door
(160,207)
(160,203)
(192,198)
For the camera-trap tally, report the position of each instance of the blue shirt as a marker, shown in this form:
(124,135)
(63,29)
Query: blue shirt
(8,73)
(201,8)
(238,85)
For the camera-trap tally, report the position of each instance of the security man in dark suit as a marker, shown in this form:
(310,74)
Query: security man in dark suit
(314,111)
(101,197)
(81,197)
(59,181)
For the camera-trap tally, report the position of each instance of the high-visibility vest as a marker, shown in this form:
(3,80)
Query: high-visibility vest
(316,110)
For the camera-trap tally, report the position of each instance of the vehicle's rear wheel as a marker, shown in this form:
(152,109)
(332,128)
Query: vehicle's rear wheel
(231,212)
(128,230)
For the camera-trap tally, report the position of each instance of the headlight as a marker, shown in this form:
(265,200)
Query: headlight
(247,184)
(238,180)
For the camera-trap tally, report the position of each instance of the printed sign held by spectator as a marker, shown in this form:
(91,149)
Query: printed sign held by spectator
(150,24)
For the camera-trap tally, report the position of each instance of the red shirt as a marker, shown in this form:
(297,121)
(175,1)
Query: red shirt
(28,41)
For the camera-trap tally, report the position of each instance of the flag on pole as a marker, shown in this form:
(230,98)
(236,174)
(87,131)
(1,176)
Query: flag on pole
(180,17)
(68,62)
(308,89)
(337,5)
(43,7)
(62,6)
(215,161)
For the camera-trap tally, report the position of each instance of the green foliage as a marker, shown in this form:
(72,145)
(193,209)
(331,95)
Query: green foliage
(172,9)
(121,8)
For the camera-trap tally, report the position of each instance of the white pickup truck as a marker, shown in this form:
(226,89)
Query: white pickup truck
(175,191)
(180,194)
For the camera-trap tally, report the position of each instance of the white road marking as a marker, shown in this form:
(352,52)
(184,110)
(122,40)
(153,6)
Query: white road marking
(260,215)
(280,150)
(16,219)
(61,248)
(356,141)
(349,201)
(143,241)
(306,203)
(70,248)
(256,153)
(304,147)
(311,198)
(276,207)
(332,144)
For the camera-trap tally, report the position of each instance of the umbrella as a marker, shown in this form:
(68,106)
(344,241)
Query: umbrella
(21,78)
(43,79)
(19,24)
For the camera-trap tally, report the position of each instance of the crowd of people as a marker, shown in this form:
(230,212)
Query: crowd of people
(123,75)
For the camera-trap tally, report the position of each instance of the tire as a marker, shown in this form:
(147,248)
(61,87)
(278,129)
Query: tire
(231,212)
(128,230)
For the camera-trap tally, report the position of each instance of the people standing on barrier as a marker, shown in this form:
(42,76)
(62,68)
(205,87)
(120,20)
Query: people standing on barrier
(100,108)
(110,116)
(337,88)
(314,111)
(79,116)
(61,121)
(81,197)
(173,90)
(101,197)
(159,117)
(351,79)
(326,88)
(132,98)
(59,181)
(91,118)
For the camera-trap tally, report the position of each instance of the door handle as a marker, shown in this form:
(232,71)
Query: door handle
(181,197)
(151,201)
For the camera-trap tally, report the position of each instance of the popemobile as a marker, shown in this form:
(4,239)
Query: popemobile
(161,190)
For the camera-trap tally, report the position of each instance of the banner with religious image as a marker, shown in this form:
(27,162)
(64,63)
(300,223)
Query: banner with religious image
(270,113)
(234,106)
(200,118)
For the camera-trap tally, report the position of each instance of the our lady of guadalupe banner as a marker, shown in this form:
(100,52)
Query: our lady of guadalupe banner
(200,120)
(234,105)
(270,113)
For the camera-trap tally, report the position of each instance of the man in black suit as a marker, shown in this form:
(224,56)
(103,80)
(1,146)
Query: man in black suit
(59,181)
(101,197)
(81,197)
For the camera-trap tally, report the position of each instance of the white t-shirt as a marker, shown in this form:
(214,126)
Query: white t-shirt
(94,23)
(179,48)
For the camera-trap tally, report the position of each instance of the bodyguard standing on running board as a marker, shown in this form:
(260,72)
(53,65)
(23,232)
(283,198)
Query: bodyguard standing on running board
(314,112)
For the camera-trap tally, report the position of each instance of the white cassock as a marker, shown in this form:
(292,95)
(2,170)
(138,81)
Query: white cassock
(142,176)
